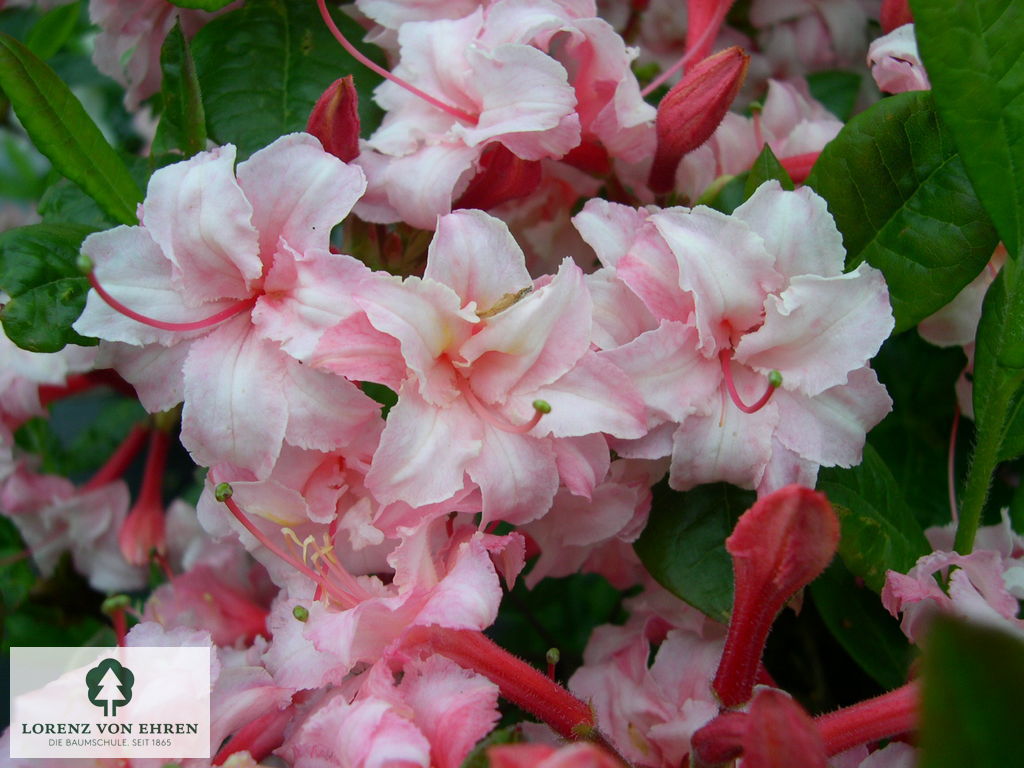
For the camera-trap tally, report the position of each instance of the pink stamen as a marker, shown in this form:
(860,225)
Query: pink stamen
(726,358)
(540,407)
(690,54)
(455,112)
(224,314)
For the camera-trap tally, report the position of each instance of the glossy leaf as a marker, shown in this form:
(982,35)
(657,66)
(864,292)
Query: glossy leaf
(972,679)
(683,545)
(262,68)
(855,617)
(879,531)
(49,34)
(61,130)
(37,269)
(974,54)
(837,90)
(765,168)
(998,382)
(903,202)
(183,122)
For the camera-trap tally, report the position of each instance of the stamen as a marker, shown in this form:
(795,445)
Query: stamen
(455,112)
(553,656)
(197,325)
(774,382)
(686,59)
(540,407)
(951,464)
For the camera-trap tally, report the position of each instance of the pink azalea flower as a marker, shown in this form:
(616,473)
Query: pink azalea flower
(581,755)
(478,352)
(733,304)
(896,64)
(250,255)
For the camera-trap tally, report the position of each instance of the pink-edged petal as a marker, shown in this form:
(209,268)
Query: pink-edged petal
(534,341)
(133,269)
(656,444)
(298,193)
(582,462)
(595,396)
(609,228)
(156,372)
(469,594)
(292,659)
(476,256)
(830,428)
(820,328)
(723,445)
(619,316)
(651,271)
(448,166)
(797,230)
(724,265)
(424,451)
(198,215)
(664,365)
(325,411)
(517,476)
(305,295)
(526,102)
(453,707)
(235,410)
(427,319)
(787,467)
(358,351)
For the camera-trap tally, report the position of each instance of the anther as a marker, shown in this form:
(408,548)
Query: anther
(774,382)
(223,492)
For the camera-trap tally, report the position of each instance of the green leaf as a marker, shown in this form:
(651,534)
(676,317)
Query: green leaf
(998,381)
(837,90)
(974,54)
(683,545)
(765,168)
(855,617)
(183,122)
(61,130)
(477,758)
(263,66)
(64,202)
(53,30)
(972,678)
(40,319)
(879,532)
(202,5)
(901,197)
(37,254)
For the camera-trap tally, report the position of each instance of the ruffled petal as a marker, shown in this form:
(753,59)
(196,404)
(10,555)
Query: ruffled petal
(517,476)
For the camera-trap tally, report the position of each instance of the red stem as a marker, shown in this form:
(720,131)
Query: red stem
(887,715)
(121,459)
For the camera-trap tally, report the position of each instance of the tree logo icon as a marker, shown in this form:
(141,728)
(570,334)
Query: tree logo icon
(110,685)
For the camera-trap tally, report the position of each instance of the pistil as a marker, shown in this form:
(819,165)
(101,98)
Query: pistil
(774,382)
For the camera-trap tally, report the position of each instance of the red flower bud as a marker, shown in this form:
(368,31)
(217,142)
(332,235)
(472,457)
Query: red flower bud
(781,735)
(720,741)
(895,13)
(693,109)
(142,532)
(502,177)
(779,546)
(335,119)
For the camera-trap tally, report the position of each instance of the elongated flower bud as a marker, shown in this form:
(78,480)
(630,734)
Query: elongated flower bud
(780,545)
(335,119)
(693,109)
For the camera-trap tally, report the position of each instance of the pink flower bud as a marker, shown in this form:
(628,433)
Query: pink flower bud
(335,119)
(142,532)
(895,13)
(779,546)
(693,109)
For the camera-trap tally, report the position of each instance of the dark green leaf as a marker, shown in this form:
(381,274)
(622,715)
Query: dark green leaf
(727,197)
(974,54)
(37,254)
(64,202)
(478,757)
(972,677)
(879,532)
(765,168)
(683,545)
(263,66)
(61,130)
(202,5)
(998,380)
(53,30)
(183,122)
(837,90)
(40,319)
(902,200)
(856,618)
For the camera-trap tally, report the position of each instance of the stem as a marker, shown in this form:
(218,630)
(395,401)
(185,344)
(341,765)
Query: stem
(951,464)
(887,715)
(120,460)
